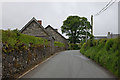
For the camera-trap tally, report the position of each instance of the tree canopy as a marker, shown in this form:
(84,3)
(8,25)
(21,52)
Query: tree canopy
(76,28)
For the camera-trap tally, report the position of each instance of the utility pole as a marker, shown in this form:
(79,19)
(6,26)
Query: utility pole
(86,33)
(92,24)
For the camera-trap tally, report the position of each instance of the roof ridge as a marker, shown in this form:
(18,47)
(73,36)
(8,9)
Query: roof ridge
(34,19)
(55,31)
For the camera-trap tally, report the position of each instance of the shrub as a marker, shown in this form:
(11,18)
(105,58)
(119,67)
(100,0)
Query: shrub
(115,45)
(108,44)
(74,46)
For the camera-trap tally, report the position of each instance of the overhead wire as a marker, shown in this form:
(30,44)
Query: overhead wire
(106,7)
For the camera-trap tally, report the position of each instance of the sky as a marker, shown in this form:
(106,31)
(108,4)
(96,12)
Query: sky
(17,14)
(119,17)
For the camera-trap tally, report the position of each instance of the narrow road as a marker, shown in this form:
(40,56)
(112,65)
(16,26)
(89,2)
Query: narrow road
(68,64)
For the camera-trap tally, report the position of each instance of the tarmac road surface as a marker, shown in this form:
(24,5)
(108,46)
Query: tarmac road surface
(69,64)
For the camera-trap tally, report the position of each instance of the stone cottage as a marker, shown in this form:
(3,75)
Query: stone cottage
(34,28)
(57,36)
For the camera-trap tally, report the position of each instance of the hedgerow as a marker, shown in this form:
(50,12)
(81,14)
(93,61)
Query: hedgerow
(104,52)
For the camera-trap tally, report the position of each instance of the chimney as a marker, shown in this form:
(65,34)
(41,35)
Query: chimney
(56,29)
(108,33)
(40,22)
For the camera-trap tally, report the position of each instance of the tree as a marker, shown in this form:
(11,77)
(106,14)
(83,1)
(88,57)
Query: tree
(76,28)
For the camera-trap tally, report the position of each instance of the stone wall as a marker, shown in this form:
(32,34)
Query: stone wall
(113,36)
(17,60)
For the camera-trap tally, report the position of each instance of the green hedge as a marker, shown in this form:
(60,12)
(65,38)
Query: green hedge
(104,52)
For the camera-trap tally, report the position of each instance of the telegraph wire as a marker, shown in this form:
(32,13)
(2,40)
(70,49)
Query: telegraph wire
(110,5)
(105,8)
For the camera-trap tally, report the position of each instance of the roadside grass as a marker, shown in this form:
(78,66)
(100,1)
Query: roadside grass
(12,37)
(104,52)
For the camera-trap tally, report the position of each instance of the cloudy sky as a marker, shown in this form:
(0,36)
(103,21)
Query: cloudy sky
(17,14)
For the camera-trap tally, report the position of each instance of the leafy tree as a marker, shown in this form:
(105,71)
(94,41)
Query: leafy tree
(76,28)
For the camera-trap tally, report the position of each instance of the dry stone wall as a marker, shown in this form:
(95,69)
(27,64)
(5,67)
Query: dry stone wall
(17,60)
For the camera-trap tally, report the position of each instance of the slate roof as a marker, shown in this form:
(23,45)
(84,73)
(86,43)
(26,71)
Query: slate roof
(55,31)
(33,19)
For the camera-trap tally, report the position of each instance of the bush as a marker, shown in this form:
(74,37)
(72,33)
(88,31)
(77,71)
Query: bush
(90,43)
(115,45)
(74,47)
(95,42)
(108,44)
